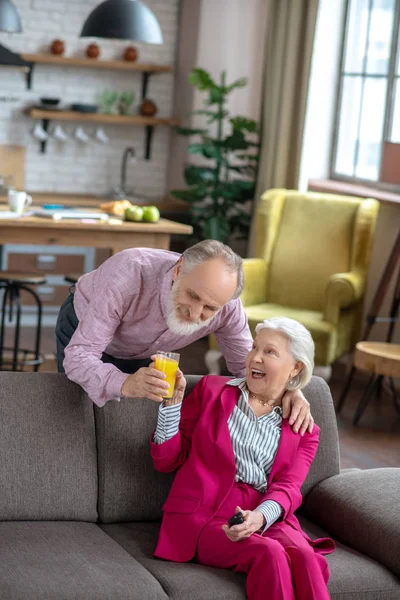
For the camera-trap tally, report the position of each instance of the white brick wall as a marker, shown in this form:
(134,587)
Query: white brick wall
(93,168)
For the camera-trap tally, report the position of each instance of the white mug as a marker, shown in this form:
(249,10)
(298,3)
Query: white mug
(59,134)
(17,201)
(81,135)
(40,133)
(101,136)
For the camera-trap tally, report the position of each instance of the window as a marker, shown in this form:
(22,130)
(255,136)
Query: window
(368,112)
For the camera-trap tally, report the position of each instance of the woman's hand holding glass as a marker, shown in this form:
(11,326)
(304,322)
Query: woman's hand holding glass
(179,391)
(178,386)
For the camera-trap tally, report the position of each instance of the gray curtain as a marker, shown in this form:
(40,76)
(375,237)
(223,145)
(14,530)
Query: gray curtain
(288,52)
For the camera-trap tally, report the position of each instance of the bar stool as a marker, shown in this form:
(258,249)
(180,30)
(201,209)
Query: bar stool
(12,283)
(71,277)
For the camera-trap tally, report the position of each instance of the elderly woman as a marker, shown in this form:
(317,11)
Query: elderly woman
(235,454)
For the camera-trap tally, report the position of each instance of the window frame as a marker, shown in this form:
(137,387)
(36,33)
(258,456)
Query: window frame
(389,104)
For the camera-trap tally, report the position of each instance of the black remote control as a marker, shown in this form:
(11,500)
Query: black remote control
(237,519)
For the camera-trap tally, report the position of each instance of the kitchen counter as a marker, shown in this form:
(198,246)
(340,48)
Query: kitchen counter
(115,235)
(87,201)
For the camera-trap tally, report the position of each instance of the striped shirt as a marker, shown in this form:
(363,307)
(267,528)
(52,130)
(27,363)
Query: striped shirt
(255,442)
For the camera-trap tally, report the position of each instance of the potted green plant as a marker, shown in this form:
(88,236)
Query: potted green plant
(220,189)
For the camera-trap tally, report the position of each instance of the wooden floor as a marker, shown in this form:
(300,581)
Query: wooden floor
(375,442)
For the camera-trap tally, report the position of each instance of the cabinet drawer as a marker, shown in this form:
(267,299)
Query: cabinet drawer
(50,295)
(46,263)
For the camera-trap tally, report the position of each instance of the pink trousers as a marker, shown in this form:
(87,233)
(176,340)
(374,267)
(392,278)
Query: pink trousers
(280,564)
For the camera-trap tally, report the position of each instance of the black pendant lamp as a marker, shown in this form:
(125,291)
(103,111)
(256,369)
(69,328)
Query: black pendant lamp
(123,20)
(9,17)
(11,23)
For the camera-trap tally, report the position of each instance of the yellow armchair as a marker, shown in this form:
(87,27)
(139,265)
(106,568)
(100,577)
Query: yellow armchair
(312,257)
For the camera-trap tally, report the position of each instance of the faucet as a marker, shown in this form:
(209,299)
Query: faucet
(119,192)
(127,152)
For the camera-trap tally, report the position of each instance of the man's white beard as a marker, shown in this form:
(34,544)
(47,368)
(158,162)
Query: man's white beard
(175,324)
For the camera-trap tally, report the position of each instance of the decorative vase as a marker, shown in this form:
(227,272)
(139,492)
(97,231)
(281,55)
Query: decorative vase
(57,47)
(148,108)
(107,100)
(93,51)
(131,54)
(125,101)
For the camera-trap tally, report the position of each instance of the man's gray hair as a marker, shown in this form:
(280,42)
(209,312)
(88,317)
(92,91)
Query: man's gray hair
(209,249)
(301,346)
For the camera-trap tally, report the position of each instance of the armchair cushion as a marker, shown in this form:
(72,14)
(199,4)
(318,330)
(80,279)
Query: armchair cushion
(314,241)
(317,250)
(256,276)
(324,333)
(360,509)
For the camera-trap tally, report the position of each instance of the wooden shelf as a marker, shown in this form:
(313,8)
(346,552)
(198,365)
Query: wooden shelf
(93,63)
(146,70)
(72,115)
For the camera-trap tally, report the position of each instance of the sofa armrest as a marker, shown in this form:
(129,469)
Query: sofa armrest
(361,509)
(343,290)
(255,281)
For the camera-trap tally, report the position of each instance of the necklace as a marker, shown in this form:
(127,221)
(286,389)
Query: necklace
(268,403)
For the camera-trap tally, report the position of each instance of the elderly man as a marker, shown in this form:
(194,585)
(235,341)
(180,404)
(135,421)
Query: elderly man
(141,301)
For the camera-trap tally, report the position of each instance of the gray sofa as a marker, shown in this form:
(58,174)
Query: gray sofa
(80,504)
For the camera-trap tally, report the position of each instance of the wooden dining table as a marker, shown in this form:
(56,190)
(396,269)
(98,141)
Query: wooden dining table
(114,234)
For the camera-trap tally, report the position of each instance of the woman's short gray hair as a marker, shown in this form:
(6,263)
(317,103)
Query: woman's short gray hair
(301,346)
(209,249)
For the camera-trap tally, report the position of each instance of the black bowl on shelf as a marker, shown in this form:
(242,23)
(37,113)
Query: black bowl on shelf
(84,108)
(47,102)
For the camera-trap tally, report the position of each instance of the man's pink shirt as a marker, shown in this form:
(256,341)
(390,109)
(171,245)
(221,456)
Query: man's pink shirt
(121,307)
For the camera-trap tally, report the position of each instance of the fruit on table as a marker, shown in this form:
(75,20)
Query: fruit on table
(134,213)
(151,214)
(116,207)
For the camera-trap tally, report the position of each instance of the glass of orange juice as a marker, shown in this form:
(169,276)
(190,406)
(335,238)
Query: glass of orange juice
(168,362)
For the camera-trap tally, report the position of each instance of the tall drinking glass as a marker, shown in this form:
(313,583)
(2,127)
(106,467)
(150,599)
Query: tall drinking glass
(168,362)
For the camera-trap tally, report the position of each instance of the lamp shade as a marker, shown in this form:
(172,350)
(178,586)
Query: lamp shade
(9,17)
(123,20)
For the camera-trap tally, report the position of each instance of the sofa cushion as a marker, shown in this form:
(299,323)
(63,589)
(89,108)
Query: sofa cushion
(353,576)
(48,467)
(179,580)
(361,508)
(326,462)
(129,487)
(68,560)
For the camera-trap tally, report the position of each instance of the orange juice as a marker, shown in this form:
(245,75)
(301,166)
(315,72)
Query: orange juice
(168,362)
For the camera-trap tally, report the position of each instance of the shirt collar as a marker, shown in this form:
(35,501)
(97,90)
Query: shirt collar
(240,382)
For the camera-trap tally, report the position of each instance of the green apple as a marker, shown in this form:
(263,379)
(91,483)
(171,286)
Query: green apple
(134,213)
(151,214)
